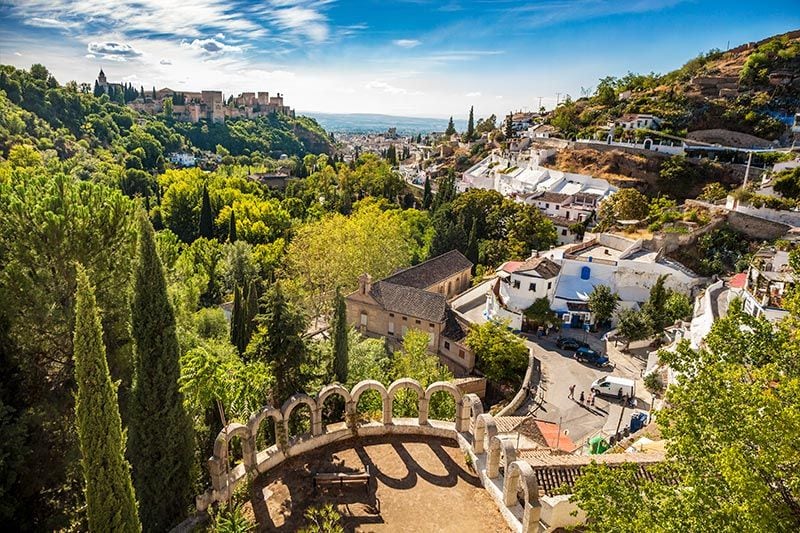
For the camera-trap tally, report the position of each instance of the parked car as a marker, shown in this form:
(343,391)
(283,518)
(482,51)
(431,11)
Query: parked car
(614,386)
(570,343)
(587,355)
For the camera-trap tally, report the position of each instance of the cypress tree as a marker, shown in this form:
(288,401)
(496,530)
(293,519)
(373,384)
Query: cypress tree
(206,216)
(278,341)
(161,440)
(427,195)
(340,347)
(470,133)
(251,311)
(509,129)
(110,500)
(472,243)
(232,227)
(237,320)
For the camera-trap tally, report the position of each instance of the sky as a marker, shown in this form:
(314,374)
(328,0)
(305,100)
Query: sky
(407,57)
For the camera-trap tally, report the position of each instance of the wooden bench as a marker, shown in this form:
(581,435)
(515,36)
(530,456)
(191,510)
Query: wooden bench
(342,479)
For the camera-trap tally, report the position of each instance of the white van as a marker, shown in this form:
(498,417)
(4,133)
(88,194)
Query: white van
(612,385)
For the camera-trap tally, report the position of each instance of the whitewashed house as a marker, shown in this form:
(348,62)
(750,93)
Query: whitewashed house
(517,286)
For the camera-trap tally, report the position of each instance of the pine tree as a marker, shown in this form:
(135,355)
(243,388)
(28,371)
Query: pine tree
(154,92)
(161,440)
(232,227)
(237,319)
(206,216)
(340,347)
(451,128)
(278,341)
(472,243)
(470,133)
(110,500)
(427,195)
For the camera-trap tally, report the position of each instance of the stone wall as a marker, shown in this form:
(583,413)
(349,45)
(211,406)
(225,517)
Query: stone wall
(756,227)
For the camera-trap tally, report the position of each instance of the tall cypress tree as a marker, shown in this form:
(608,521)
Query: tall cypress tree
(161,440)
(472,243)
(427,194)
(250,314)
(206,216)
(110,500)
(232,227)
(470,133)
(340,347)
(237,320)
(279,342)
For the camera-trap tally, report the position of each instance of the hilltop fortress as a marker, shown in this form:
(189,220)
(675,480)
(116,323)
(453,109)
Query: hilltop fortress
(193,106)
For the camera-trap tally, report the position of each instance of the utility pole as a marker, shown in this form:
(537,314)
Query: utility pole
(619,422)
(558,98)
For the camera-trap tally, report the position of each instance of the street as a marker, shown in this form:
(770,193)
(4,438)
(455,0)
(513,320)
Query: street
(560,370)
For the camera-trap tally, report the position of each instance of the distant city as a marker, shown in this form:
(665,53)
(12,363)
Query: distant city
(371,123)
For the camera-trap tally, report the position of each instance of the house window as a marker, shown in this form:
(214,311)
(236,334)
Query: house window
(516,284)
(563,232)
(405,318)
(363,318)
(391,314)
(446,345)
(391,328)
(532,287)
(547,206)
(417,321)
(557,206)
(461,354)
(549,284)
(430,324)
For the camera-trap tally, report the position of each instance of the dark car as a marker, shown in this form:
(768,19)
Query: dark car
(587,355)
(569,343)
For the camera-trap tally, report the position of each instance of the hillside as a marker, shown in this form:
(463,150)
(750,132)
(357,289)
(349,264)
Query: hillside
(38,111)
(752,89)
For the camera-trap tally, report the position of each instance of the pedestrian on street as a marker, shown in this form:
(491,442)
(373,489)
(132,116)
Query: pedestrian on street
(590,400)
(571,392)
(593,397)
(582,397)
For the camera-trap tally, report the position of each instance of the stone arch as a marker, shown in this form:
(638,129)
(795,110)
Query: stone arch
(334,389)
(422,401)
(458,398)
(254,424)
(498,447)
(292,403)
(520,473)
(648,144)
(218,464)
(474,407)
(370,384)
(485,429)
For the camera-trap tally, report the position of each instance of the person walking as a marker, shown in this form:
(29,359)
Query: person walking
(571,392)
(582,397)
(593,397)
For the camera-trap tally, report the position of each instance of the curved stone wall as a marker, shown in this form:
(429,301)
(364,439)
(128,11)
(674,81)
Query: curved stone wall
(476,432)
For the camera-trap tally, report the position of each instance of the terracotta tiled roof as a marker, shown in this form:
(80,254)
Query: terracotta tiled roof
(410,301)
(541,265)
(432,271)
(555,197)
(555,471)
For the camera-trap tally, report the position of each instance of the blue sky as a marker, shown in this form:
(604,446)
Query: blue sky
(412,57)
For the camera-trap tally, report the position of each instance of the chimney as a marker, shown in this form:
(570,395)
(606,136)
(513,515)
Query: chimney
(364,283)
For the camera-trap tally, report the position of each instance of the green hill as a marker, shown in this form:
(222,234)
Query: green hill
(751,89)
(84,129)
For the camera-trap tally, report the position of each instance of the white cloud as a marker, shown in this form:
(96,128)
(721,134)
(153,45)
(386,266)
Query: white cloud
(407,43)
(211,46)
(48,22)
(220,36)
(165,62)
(113,51)
(303,21)
(17,54)
(475,94)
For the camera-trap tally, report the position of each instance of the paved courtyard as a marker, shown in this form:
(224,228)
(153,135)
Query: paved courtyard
(419,484)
